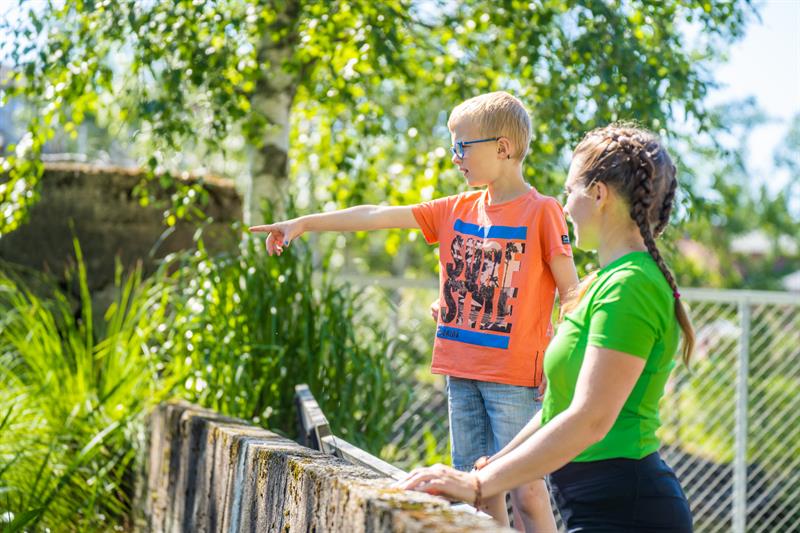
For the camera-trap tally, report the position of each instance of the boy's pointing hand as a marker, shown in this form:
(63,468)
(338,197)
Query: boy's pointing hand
(281,234)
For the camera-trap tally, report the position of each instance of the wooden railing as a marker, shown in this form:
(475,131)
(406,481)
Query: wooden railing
(315,433)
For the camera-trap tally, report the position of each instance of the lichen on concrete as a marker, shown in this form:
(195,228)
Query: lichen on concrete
(245,478)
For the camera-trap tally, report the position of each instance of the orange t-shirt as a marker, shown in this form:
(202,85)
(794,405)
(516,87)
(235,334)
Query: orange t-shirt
(496,290)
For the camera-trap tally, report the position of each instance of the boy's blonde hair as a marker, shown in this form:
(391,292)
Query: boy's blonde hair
(497,114)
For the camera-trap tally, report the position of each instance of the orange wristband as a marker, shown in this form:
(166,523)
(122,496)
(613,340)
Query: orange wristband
(478,499)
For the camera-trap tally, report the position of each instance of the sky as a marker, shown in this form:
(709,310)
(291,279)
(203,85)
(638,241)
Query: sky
(764,64)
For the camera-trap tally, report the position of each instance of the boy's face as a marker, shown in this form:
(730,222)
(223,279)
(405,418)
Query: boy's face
(480,161)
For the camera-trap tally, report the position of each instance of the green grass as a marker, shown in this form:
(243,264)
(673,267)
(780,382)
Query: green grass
(73,394)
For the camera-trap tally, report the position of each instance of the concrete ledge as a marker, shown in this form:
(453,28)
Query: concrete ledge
(97,205)
(209,473)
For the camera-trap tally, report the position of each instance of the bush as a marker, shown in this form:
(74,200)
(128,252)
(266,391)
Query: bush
(72,396)
(234,332)
(247,328)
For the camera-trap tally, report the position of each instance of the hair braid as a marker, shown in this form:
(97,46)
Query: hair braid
(640,207)
(666,206)
(634,162)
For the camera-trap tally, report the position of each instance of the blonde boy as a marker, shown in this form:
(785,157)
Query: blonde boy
(504,250)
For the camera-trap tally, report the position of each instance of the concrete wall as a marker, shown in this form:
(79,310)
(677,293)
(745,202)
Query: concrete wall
(97,204)
(208,473)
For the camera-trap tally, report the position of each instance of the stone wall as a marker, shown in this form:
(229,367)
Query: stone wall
(98,206)
(209,473)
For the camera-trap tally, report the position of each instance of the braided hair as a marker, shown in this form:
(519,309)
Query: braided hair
(633,161)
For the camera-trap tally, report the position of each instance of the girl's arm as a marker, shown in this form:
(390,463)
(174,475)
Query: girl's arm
(605,382)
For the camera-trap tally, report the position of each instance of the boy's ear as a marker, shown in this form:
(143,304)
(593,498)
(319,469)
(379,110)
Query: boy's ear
(503,148)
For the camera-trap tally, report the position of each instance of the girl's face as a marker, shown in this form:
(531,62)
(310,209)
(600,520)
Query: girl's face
(581,208)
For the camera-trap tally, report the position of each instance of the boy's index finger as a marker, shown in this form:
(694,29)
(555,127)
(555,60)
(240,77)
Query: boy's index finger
(266,228)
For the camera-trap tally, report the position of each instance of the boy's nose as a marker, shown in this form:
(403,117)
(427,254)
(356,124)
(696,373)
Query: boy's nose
(455,159)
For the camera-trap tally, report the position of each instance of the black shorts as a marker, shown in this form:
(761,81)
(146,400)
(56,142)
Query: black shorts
(616,495)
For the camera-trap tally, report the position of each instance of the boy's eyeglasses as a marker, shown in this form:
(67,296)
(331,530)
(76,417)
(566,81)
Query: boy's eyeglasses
(458,149)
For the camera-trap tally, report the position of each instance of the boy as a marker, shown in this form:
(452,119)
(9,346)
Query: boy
(504,250)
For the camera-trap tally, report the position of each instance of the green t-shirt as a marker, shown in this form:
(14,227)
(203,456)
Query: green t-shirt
(629,308)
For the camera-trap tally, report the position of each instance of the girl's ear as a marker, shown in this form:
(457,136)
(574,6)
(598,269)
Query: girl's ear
(601,193)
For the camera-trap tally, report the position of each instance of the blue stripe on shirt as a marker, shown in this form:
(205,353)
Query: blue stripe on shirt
(472,337)
(491,232)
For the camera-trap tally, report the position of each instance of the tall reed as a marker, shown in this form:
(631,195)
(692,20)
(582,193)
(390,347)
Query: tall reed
(249,327)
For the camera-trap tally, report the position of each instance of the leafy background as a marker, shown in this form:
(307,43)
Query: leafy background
(309,106)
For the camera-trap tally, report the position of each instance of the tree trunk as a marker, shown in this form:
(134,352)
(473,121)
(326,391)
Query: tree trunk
(275,91)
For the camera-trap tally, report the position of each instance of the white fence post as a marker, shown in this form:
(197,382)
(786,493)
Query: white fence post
(740,458)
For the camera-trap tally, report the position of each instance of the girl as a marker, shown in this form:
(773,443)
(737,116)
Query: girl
(610,359)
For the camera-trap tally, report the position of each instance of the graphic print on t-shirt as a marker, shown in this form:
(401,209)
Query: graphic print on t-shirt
(479,288)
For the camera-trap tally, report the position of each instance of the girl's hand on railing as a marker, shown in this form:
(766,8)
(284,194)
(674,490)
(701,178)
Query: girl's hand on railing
(441,480)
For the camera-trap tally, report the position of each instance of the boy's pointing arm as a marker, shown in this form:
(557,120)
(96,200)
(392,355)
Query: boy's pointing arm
(360,218)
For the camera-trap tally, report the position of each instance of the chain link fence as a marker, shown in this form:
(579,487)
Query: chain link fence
(731,423)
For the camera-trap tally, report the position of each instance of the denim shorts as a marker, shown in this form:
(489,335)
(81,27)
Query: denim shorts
(621,495)
(485,416)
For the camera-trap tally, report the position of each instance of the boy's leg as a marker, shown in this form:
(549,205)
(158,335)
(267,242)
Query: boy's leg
(509,408)
(471,434)
(533,511)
